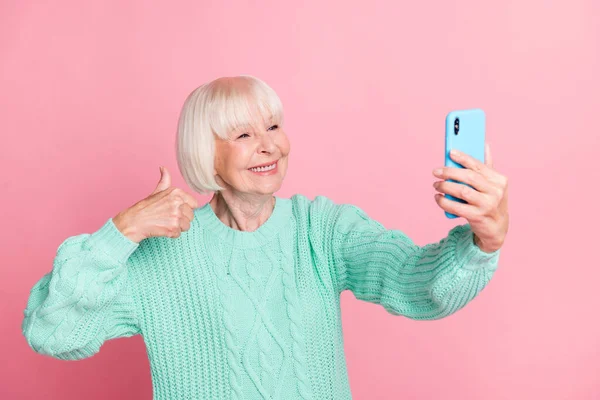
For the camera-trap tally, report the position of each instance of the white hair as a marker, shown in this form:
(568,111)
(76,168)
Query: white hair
(220,107)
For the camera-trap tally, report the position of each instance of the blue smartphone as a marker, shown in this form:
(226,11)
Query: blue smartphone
(465,131)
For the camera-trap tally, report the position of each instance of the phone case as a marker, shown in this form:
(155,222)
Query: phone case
(470,139)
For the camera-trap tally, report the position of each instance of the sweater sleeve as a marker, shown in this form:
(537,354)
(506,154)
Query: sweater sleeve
(384,266)
(85,299)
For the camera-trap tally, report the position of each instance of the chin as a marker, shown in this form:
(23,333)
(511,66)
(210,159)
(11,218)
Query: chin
(268,189)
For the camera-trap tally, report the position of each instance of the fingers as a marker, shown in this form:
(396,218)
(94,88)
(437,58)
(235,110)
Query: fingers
(188,198)
(187,211)
(177,192)
(470,177)
(478,184)
(182,222)
(460,191)
(454,207)
(485,169)
(164,188)
(469,162)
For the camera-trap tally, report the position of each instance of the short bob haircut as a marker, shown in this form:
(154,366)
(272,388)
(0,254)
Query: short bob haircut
(220,107)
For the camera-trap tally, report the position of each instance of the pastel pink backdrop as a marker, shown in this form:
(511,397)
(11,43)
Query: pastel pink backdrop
(90,95)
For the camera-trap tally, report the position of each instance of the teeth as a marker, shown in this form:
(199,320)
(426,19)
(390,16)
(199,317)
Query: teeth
(263,169)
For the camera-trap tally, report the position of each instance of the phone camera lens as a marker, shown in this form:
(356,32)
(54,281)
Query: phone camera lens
(456,126)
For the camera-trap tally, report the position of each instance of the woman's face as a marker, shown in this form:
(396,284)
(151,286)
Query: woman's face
(247,148)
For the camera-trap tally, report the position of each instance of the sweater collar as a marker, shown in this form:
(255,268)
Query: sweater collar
(244,239)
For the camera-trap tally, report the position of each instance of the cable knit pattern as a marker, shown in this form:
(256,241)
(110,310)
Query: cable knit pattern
(221,270)
(227,314)
(295,316)
(435,280)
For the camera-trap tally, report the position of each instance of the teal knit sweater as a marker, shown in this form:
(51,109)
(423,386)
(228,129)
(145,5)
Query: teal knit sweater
(228,314)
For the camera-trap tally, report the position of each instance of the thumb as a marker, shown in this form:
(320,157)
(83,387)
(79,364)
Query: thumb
(164,182)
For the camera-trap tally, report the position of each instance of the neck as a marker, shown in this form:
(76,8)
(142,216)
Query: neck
(242,211)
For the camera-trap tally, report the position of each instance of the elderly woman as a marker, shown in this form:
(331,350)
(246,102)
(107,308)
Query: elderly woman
(240,298)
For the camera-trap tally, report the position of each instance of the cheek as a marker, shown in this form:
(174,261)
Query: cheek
(238,156)
(284,145)
(230,159)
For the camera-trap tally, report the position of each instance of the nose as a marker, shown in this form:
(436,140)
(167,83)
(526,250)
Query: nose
(267,143)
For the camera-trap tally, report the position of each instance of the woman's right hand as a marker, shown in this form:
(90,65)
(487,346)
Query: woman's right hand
(167,211)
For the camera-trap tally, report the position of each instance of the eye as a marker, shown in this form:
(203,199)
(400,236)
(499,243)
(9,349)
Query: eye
(275,126)
(242,135)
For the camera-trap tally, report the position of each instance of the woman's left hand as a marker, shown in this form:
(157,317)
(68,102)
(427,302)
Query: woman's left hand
(487,208)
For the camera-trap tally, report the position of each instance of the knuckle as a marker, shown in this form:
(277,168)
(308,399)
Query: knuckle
(499,195)
(472,177)
(480,181)
(175,201)
(176,213)
(465,191)
(173,232)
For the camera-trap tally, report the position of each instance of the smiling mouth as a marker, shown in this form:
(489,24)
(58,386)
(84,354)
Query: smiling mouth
(264,168)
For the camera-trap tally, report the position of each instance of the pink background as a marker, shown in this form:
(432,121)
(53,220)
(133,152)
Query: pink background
(90,95)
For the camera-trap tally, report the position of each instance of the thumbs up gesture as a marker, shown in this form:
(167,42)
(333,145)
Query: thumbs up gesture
(167,211)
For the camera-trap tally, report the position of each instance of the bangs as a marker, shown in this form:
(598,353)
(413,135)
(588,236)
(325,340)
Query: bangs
(239,107)
(220,109)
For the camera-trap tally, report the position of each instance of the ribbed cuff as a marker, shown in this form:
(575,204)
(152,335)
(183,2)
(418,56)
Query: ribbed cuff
(468,254)
(111,241)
